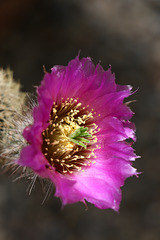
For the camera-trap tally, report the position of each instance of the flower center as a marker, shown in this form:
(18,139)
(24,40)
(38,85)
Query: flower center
(69,141)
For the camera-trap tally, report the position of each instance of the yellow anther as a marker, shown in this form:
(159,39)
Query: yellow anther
(65,118)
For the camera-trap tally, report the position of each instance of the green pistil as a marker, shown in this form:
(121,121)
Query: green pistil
(79,136)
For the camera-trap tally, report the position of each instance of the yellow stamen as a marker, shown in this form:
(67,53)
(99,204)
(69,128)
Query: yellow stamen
(62,153)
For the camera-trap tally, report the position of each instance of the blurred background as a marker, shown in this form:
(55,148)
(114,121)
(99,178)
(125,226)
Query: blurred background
(125,34)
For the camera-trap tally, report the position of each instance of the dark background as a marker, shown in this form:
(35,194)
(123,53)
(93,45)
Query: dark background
(125,34)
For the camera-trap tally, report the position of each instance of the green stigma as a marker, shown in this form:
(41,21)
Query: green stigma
(79,136)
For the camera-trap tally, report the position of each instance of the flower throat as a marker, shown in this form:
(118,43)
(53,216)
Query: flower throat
(69,141)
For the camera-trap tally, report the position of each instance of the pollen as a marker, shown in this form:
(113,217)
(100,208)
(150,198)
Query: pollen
(70,139)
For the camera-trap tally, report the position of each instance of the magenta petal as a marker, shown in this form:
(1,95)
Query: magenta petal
(100,184)
(122,150)
(90,188)
(65,189)
(30,158)
(112,130)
